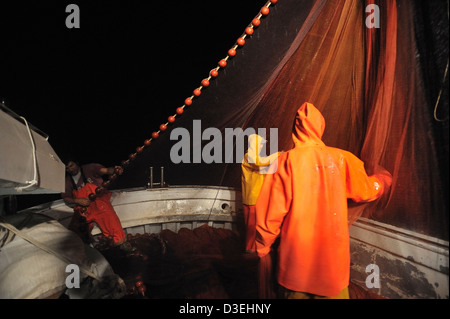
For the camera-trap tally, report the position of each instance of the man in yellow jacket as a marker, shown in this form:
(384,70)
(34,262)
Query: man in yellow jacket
(254,168)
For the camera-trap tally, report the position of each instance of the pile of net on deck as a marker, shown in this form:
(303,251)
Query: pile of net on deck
(202,263)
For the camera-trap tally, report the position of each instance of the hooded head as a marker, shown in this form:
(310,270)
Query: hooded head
(309,125)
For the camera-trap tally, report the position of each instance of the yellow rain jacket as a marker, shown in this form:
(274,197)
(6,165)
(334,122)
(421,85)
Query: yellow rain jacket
(252,178)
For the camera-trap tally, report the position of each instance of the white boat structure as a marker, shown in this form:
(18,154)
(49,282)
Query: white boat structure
(29,164)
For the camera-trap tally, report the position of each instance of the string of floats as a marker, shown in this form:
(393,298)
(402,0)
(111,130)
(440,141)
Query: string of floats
(240,42)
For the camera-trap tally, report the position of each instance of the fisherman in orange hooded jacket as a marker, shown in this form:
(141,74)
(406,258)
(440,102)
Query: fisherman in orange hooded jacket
(305,203)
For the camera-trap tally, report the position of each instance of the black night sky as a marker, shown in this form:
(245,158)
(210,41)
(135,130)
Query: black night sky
(100,90)
(104,88)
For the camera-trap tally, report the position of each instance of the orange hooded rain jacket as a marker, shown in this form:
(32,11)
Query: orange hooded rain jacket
(305,203)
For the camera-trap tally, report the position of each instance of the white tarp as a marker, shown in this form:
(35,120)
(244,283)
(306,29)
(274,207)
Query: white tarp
(24,159)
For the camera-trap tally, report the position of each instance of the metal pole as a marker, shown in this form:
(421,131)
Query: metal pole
(162,176)
(151,177)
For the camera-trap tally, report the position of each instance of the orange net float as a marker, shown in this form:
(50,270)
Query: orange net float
(214,73)
(232,52)
(197,92)
(265,11)
(240,41)
(256,22)
(205,83)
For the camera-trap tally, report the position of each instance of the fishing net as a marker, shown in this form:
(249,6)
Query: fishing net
(380,90)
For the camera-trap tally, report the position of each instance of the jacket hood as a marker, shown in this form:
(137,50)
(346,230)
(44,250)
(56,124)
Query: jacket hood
(309,125)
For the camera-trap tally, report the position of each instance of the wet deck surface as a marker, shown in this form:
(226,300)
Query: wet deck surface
(204,263)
